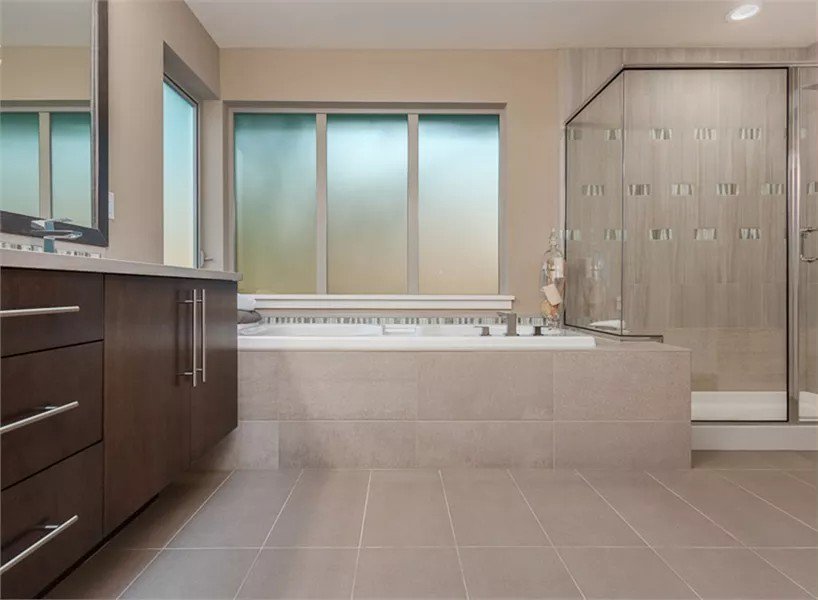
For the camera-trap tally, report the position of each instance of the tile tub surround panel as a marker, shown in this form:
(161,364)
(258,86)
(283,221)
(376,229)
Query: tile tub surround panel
(455,409)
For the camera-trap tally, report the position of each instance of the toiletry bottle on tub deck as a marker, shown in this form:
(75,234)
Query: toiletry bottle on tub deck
(552,282)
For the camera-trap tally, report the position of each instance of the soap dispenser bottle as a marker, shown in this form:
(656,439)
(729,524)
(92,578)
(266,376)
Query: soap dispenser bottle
(552,282)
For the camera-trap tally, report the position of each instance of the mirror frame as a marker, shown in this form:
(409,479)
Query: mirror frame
(94,236)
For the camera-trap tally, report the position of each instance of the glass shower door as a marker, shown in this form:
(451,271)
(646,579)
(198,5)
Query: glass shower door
(808,243)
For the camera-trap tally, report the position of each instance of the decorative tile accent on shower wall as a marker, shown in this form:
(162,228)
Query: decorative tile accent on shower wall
(396,320)
(772,189)
(573,134)
(727,189)
(812,187)
(639,189)
(749,133)
(705,134)
(572,235)
(614,235)
(613,135)
(661,133)
(593,189)
(749,233)
(681,189)
(661,235)
(705,234)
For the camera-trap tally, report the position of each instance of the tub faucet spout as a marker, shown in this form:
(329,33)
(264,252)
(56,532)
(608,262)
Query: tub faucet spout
(511,323)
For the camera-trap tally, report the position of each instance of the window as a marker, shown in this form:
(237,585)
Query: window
(357,203)
(180,177)
(46,164)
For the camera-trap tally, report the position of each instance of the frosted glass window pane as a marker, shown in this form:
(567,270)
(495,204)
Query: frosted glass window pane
(367,163)
(180,189)
(458,197)
(20,163)
(275,171)
(71,167)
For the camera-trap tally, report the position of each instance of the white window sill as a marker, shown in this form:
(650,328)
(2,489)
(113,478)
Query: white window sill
(380,302)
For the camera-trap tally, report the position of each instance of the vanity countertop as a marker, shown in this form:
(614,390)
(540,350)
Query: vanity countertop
(24,259)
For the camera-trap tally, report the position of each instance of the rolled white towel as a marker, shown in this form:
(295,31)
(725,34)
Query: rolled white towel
(246,302)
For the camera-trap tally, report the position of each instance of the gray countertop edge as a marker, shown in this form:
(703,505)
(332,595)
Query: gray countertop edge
(23,259)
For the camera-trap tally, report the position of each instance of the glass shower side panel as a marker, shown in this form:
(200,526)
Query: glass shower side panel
(808,285)
(593,213)
(705,208)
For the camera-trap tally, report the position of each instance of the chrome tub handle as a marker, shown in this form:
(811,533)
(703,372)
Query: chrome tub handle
(804,233)
(31,312)
(53,532)
(46,412)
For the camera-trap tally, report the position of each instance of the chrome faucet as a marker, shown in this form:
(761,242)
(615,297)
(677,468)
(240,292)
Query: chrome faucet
(45,229)
(511,322)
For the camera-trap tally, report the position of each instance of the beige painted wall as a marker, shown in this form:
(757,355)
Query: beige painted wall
(525,81)
(45,73)
(137,31)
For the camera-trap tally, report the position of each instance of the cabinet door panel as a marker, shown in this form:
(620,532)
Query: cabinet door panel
(147,402)
(214,400)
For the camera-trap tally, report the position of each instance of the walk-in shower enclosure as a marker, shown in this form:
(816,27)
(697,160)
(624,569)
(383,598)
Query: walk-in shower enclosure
(690,195)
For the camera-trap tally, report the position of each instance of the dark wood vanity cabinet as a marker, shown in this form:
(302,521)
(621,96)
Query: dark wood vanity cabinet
(99,410)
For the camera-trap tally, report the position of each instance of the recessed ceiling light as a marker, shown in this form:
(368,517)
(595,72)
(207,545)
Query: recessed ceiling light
(743,12)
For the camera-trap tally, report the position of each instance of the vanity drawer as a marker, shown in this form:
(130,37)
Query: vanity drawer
(50,521)
(74,301)
(69,382)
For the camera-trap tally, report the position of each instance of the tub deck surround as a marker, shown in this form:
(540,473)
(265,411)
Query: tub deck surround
(24,259)
(619,405)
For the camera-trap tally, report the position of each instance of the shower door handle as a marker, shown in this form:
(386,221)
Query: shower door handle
(804,234)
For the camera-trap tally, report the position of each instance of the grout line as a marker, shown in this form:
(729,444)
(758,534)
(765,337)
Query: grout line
(269,533)
(545,533)
(798,479)
(360,537)
(454,535)
(641,537)
(725,530)
(778,508)
(188,520)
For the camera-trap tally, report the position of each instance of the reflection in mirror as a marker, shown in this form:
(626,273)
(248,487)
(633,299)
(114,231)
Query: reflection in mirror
(46,110)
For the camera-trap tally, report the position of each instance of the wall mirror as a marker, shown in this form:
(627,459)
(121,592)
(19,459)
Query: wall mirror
(54,117)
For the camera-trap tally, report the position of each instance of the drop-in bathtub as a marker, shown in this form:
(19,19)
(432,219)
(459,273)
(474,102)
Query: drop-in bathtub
(338,336)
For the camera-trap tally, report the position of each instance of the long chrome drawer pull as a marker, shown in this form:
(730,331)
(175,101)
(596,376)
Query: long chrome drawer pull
(204,335)
(53,531)
(46,413)
(31,312)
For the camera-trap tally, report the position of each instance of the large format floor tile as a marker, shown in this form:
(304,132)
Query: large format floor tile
(326,509)
(488,510)
(409,573)
(736,573)
(660,517)
(194,574)
(240,513)
(808,476)
(301,573)
(752,520)
(105,575)
(626,573)
(795,497)
(516,573)
(571,512)
(799,564)
(406,508)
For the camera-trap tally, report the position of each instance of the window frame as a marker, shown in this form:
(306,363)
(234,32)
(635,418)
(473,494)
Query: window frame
(412,298)
(198,259)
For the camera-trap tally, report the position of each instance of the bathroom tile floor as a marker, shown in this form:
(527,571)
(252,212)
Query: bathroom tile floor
(739,525)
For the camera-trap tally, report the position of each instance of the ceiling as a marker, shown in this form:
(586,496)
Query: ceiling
(502,24)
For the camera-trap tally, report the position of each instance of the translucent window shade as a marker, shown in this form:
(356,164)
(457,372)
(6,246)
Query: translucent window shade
(71,167)
(179,175)
(458,204)
(275,185)
(367,179)
(20,163)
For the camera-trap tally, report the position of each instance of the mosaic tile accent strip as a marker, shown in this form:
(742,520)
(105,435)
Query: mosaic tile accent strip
(681,189)
(749,133)
(639,189)
(661,133)
(395,320)
(812,187)
(613,135)
(573,134)
(727,189)
(772,189)
(660,235)
(749,233)
(614,235)
(572,235)
(593,189)
(705,134)
(705,234)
